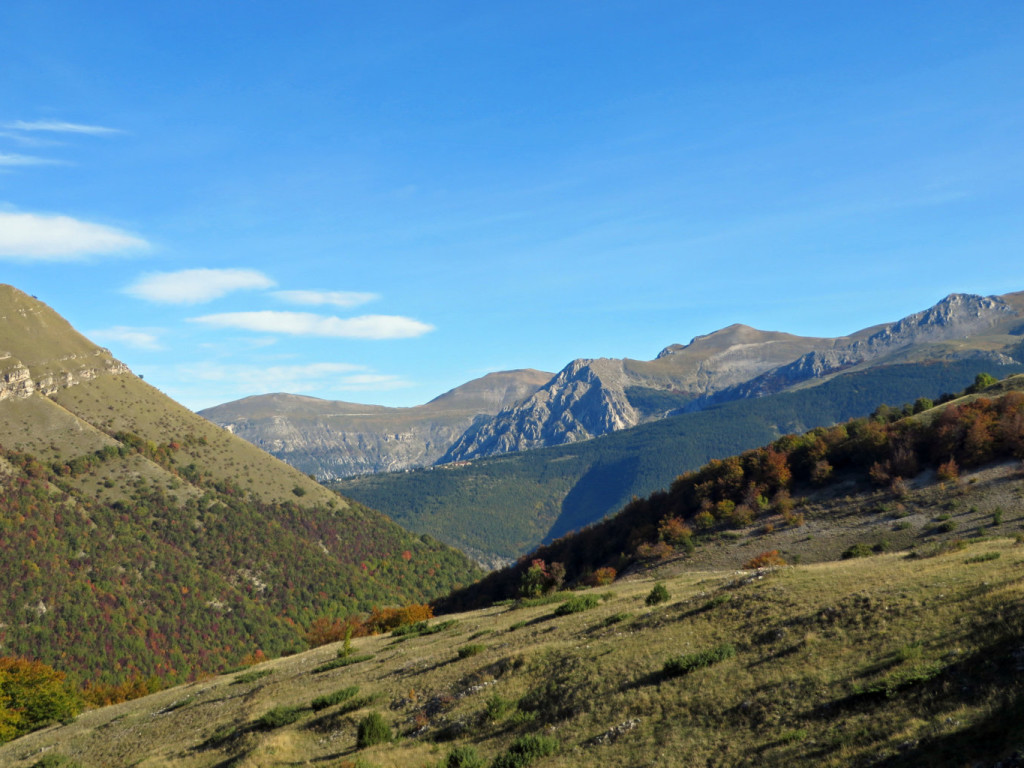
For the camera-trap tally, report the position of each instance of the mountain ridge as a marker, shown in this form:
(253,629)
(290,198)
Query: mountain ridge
(589,398)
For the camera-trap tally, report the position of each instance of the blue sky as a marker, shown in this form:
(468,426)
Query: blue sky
(376,202)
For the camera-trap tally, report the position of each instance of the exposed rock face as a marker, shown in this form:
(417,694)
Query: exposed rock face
(332,439)
(29,360)
(592,397)
(958,316)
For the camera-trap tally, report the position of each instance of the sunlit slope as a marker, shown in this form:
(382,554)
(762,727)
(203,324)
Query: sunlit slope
(888,661)
(138,539)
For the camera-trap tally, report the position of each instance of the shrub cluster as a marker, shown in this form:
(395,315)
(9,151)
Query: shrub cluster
(684,665)
(526,750)
(577,604)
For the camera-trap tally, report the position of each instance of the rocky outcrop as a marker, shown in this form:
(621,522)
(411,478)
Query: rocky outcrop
(41,353)
(18,381)
(587,398)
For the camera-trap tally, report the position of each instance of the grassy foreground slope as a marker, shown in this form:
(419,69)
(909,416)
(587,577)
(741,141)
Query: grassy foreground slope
(503,507)
(888,661)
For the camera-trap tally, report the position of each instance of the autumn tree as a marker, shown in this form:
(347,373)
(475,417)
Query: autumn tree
(32,695)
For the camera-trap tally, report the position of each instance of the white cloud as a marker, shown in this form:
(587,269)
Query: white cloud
(308,324)
(310,377)
(60,238)
(334,298)
(57,126)
(195,286)
(29,141)
(7,161)
(122,334)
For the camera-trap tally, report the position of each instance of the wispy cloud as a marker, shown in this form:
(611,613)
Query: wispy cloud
(137,338)
(308,324)
(7,160)
(57,126)
(38,237)
(311,377)
(333,298)
(28,140)
(195,286)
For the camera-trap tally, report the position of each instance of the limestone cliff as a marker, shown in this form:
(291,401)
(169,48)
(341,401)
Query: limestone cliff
(332,439)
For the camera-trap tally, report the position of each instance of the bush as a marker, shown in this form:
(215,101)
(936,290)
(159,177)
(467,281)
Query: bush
(982,558)
(32,695)
(373,729)
(525,750)
(683,665)
(279,716)
(497,707)
(770,559)
(463,757)
(602,577)
(857,550)
(323,702)
(342,661)
(948,471)
(577,604)
(471,650)
(615,618)
(251,677)
(657,595)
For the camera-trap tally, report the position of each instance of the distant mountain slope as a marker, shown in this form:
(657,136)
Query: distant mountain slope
(589,398)
(500,507)
(333,439)
(592,397)
(138,539)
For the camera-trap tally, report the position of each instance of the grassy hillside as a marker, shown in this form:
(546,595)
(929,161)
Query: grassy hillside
(884,661)
(505,506)
(139,541)
(850,596)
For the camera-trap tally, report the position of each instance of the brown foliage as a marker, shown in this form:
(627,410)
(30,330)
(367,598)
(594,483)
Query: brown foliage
(948,471)
(674,531)
(602,577)
(659,550)
(770,559)
(325,630)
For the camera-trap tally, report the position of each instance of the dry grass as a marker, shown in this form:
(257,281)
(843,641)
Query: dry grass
(881,658)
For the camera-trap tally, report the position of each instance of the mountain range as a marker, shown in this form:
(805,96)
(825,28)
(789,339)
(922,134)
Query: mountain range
(523,410)
(532,472)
